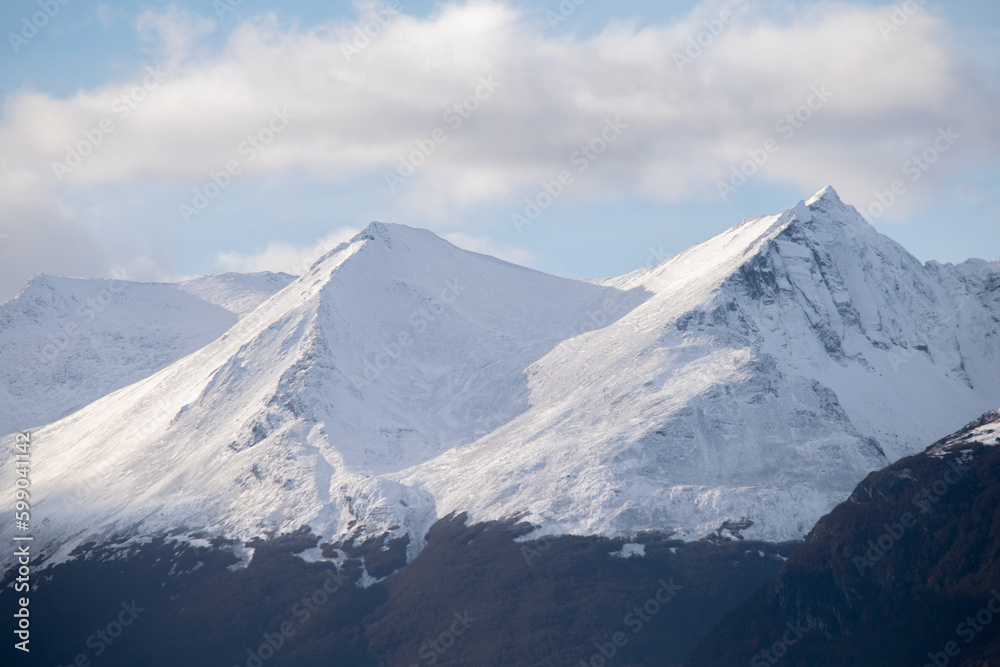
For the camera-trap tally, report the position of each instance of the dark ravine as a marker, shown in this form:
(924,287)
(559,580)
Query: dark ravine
(473,596)
(905,572)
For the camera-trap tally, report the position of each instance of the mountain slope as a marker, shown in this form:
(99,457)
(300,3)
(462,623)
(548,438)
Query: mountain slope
(351,370)
(239,293)
(770,369)
(897,574)
(746,384)
(66,342)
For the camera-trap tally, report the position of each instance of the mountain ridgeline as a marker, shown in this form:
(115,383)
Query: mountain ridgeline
(407,418)
(758,376)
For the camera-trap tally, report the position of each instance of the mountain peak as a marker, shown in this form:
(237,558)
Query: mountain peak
(387,231)
(377,230)
(759,374)
(383,232)
(826,195)
(826,208)
(395,235)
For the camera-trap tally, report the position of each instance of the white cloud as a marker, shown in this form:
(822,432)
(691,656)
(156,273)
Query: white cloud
(39,235)
(686,128)
(174,31)
(296,260)
(359,115)
(284,257)
(106,15)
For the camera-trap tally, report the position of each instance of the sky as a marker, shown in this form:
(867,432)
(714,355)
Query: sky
(582,138)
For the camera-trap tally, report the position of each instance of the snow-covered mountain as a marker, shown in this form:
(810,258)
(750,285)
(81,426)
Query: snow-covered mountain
(767,372)
(759,375)
(66,342)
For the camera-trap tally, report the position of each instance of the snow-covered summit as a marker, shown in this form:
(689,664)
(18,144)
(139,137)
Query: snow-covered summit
(826,198)
(758,375)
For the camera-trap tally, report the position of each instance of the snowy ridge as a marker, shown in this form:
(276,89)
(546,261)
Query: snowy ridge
(983,431)
(758,375)
(284,419)
(239,293)
(66,342)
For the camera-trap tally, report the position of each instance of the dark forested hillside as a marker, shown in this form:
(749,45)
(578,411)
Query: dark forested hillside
(906,572)
(473,596)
